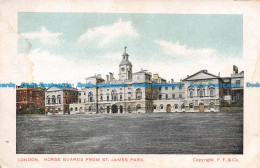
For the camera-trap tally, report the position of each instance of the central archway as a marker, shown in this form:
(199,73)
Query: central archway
(168,108)
(114,109)
(201,107)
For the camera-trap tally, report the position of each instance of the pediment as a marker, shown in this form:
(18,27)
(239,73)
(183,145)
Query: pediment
(201,75)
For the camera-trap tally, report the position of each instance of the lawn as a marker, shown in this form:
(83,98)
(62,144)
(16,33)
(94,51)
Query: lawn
(154,133)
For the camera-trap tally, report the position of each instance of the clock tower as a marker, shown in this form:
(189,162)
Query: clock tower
(125,68)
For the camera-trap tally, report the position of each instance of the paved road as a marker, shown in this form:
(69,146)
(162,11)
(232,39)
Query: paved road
(157,133)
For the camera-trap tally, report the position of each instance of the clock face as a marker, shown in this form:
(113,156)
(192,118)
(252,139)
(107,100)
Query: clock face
(122,69)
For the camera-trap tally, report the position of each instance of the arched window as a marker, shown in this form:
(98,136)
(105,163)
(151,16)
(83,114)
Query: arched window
(101,109)
(53,100)
(121,97)
(90,97)
(161,107)
(138,107)
(71,109)
(191,94)
(138,94)
(191,105)
(107,97)
(114,95)
(129,109)
(201,93)
(76,109)
(90,108)
(154,107)
(59,99)
(176,106)
(212,105)
(183,106)
(211,92)
(48,101)
(101,97)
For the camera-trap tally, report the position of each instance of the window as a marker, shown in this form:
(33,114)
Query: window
(71,109)
(76,109)
(161,107)
(160,88)
(176,106)
(129,109)
(160,97)
(138,94)
(182,106)
(59,99)
(101,97)
(212,105)
(166,96)
(166,88)
(138,107)
(201,93)
(129,95)
(180,96)
(79,93)
(173,88)
(211,93)
(79,100)
(173,96)
(154,107)
(114,95)
(53,100)
(90,97)
(107,97)
(191,94)
(191,105)
(121,97)
(238,82)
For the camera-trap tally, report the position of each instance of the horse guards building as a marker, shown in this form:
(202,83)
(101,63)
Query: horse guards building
(131,99)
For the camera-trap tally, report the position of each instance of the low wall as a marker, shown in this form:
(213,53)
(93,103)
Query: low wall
(232,108)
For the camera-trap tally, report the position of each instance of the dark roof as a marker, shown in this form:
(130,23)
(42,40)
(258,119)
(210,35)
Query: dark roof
(125,62)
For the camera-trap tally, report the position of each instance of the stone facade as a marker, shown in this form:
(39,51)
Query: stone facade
(57,100)
(139,99)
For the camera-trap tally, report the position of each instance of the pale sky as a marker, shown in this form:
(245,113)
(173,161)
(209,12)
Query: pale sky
(68,47)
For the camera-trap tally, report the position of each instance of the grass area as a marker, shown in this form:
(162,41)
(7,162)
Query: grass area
(154,133)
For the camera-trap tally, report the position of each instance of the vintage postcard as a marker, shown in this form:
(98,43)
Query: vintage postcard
(129,84)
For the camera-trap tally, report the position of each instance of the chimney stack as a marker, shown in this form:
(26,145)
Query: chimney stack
(111,75)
